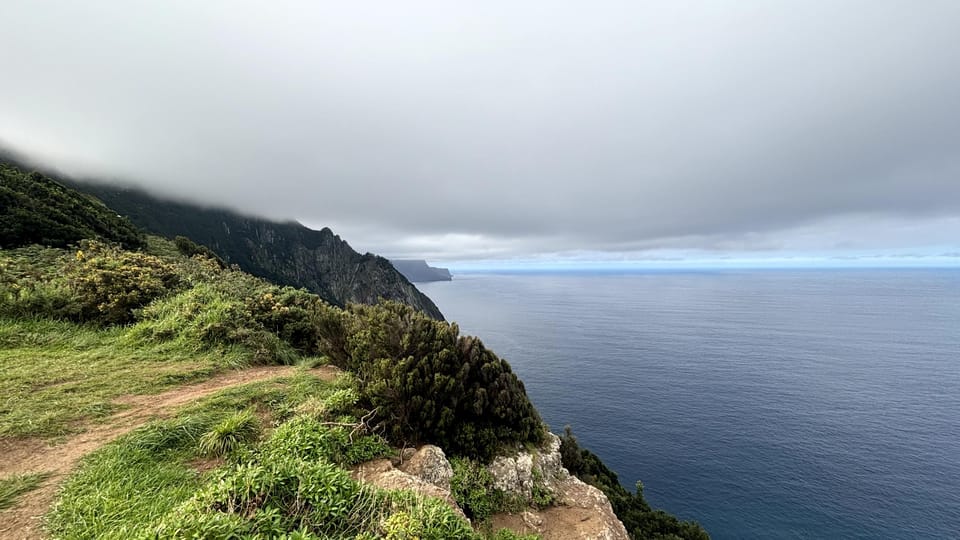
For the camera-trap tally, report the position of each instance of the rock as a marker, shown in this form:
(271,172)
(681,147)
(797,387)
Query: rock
(513,474)
(430,464)
(517,474)
(580,511)
(381,473)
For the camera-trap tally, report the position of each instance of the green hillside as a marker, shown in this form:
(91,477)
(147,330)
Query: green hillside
(35,209)
(83,327)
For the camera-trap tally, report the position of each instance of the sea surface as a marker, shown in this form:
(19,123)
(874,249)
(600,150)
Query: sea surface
(763,404)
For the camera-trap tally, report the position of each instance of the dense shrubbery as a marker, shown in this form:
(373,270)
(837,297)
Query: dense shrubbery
(429,384)
(190,248)
(473,489)
(37,210)
(97,283)
(425,381)
(637,516)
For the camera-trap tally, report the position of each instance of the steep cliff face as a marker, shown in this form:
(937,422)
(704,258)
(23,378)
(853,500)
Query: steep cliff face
(285,253)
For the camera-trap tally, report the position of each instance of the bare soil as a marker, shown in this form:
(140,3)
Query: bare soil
(28,455)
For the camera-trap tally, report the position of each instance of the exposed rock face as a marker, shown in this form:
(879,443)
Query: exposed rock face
(430,464)
(381,473)
(581,511)
(285,253)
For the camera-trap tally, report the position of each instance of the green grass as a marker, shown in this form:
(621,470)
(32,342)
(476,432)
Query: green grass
(146,484)
(13,487)
(58,375)
(144,475)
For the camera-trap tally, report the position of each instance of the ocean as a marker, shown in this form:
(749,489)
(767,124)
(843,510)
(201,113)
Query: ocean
(762,404)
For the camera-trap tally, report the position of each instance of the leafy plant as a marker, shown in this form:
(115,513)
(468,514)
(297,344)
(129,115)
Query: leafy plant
(472,487)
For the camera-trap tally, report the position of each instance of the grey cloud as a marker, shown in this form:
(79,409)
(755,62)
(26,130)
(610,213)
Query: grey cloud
(501,129)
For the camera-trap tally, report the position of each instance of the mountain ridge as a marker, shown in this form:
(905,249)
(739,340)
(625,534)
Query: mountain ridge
(287,253)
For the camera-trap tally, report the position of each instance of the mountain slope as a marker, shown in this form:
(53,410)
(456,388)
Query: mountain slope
(35,209)
(285,253)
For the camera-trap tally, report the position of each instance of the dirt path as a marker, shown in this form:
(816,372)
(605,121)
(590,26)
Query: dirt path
(23,520)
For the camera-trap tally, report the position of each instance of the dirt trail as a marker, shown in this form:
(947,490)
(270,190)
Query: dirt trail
(23,520)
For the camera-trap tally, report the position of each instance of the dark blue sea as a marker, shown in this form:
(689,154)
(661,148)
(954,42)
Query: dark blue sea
(763,404)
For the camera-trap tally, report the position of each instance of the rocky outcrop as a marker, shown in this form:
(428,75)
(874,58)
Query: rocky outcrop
(430,464)
(425,471)
(580,510)
(284,253)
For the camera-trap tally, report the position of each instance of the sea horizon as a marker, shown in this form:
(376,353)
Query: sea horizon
(762,403)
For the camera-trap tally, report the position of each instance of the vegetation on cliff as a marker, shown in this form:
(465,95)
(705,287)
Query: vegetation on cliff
(35,209)
(82,325)
(283,253)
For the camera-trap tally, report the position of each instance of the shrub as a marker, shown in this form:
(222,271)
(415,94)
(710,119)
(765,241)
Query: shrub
(230,434)
(289,313)
(190,248)
(109,283)
(428,384)
(206,317)
(472,487)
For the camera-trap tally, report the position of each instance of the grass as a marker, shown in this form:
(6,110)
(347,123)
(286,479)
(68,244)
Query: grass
(146,474)
(230,434)
(13,487)
(147,484)
(58,375)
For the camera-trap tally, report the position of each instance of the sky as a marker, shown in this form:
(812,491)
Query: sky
(517,133)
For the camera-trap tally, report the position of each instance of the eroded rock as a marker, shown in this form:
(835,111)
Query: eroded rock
(430,464)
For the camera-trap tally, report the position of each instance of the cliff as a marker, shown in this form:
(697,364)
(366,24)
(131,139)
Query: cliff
(417,270)
(284,253)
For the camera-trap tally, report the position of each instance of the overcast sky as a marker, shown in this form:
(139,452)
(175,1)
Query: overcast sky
(517,131)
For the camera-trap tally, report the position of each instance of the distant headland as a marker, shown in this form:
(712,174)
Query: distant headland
(417,270)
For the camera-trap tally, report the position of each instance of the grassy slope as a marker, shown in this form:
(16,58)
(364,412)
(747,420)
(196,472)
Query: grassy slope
(144,475)
(57,375)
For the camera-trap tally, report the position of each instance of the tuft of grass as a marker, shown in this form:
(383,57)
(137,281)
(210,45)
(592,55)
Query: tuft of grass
(13,487)
(230,434)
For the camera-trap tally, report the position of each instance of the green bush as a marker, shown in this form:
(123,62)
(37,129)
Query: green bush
(206,317)
(428,384)
(312,440)
(289,313)
(96,283)
(190,248)
(109,283)
(472,487)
